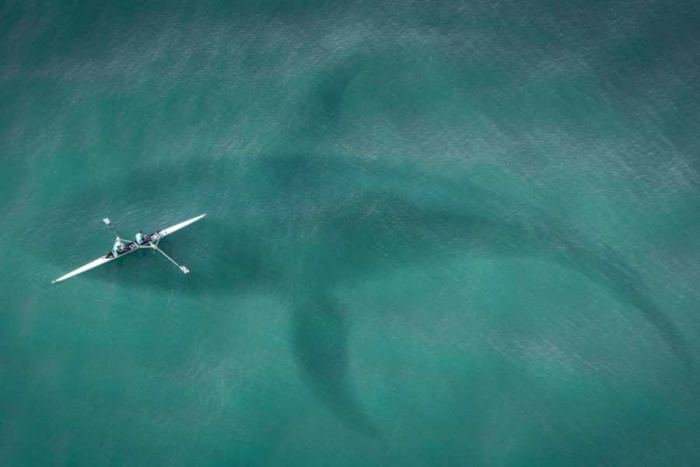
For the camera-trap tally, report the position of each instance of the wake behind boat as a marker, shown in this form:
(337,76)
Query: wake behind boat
(146,241)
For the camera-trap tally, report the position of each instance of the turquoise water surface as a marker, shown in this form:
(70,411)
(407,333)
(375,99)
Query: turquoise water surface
(438,233)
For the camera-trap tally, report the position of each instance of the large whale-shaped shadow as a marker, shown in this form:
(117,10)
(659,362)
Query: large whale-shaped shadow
(299,221)
(297,226)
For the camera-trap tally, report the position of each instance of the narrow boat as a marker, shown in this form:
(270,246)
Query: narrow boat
(148,241)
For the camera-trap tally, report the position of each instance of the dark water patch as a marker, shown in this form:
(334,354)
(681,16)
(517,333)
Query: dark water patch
(301,246)
(299,221)
(320,342)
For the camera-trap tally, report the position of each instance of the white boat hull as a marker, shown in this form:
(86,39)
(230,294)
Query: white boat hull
(131,247)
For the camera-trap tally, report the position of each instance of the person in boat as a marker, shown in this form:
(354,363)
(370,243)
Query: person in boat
(118,247)
(140,239)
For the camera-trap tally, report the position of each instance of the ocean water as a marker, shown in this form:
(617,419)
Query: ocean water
(459,233)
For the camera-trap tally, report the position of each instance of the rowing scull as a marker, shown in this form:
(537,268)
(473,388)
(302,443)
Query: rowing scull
(150,241)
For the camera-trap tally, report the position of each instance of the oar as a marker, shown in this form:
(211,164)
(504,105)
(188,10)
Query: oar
(109,225)
(182,268)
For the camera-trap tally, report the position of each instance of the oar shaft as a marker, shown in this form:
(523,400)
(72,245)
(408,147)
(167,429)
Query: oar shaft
(110,226)
(182,268)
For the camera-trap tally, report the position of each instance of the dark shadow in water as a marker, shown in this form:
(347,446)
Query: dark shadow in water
(341,232)
(320,342)
(489,233)
(341,244)
(607,268)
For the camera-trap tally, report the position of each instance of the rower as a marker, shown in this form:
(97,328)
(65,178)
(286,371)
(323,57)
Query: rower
(139,237)
(118,247)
